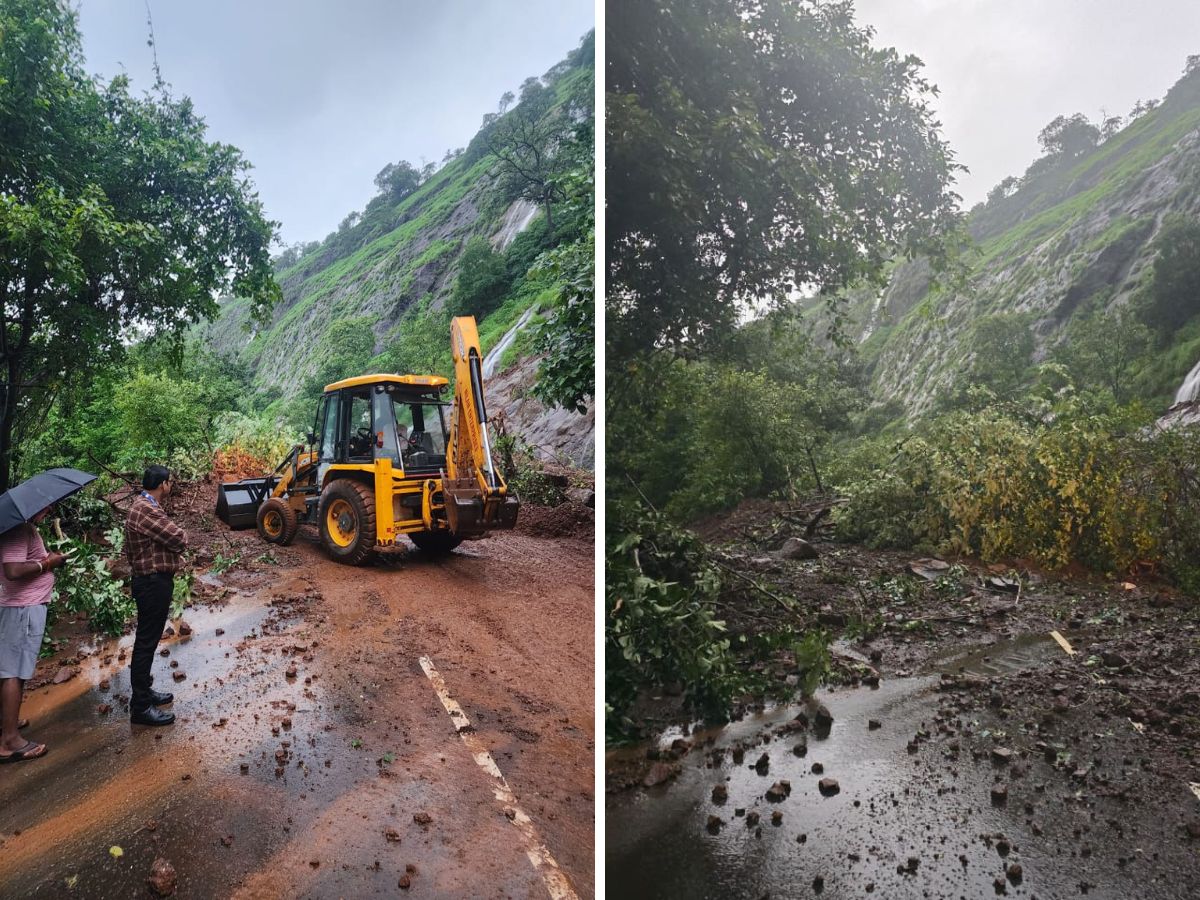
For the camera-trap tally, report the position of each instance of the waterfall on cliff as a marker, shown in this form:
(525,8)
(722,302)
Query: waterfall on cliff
(1189,391)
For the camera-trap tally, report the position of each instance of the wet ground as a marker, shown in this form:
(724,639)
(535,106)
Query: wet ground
(973,755)
(312,756)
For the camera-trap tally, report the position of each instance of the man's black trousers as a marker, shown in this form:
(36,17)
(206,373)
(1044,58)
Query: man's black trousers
(152,593)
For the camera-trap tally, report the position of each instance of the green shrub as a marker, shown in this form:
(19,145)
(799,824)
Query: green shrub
(1087,486)
(85,585)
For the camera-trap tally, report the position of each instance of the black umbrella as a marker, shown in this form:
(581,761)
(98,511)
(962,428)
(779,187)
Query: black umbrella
(27,499)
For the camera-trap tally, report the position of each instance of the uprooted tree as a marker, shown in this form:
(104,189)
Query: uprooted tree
(117,217)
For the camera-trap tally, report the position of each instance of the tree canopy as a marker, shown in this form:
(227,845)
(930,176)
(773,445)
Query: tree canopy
(117,215)
(755,149)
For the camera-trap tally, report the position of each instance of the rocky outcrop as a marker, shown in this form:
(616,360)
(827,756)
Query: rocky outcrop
(554,434)
(1074,237)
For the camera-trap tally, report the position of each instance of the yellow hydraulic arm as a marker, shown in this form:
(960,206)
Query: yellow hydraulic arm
(477,498)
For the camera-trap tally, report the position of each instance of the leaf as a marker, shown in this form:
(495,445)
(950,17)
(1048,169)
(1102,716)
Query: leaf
(116,851)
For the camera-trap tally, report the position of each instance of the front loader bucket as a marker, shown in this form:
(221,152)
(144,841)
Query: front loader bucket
(238,501)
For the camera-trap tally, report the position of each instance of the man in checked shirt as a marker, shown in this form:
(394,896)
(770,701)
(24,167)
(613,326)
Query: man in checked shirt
(154,545)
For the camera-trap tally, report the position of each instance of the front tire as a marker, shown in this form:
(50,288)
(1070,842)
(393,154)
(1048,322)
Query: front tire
(435,543)
(277,522)
(347,519)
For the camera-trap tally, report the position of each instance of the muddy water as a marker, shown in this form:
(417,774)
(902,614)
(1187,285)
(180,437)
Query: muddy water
(149,791)
(897,802)
(374,788)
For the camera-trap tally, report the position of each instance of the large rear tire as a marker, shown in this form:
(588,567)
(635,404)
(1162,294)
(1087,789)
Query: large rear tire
(347,520)
(277,522)
(435,543)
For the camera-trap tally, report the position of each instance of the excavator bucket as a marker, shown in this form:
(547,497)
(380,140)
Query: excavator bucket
(471,514)
(238,501)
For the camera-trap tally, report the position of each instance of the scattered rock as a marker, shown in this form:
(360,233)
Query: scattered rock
(874,724)
(163,879)
(779,791)
(104,709)
(422,818)
(818,768)
(184,629)
(660,772)
(405,882)
(714,824)
(65,673)
(797,548)
(1113,660)
(822,719)
(999,794)
(776,818)
(1001,755)
(391,835)
(179,675)
(720,793)
(828,786)
(220,631)
(1014,873)
(752,818)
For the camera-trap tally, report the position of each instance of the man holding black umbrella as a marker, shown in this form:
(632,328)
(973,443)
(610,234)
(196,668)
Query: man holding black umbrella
(154,545)
(25,588)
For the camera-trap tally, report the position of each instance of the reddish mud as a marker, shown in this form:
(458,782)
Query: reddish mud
(348,779)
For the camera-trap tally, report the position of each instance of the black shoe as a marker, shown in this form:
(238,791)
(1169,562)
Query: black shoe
(157,699)
(151,716)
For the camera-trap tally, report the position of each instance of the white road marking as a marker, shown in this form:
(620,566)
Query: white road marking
(556,882)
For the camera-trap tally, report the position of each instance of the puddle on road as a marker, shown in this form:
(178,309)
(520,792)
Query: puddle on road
(1003,657)
(103,779)
(895,803)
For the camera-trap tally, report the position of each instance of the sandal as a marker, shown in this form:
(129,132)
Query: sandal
(29,751)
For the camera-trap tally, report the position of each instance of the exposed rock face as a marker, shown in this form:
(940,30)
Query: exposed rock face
(1076,235)
(555,434)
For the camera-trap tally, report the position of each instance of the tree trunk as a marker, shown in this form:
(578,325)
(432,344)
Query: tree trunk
(549,220)
(8,410)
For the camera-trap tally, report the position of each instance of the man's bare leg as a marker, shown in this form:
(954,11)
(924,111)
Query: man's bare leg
(11,690)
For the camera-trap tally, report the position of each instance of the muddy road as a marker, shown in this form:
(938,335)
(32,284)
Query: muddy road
(958,751)
(314,753)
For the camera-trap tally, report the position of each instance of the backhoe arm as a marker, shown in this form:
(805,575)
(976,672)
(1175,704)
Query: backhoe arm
(477,499)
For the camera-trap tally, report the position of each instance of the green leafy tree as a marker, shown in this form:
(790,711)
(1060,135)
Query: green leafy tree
(1102,350)
(159,413)
(115,213)
(528,143)
(398,180)
(999,356)
(1069,136)
(1173,298)
(482,280)
(755,148)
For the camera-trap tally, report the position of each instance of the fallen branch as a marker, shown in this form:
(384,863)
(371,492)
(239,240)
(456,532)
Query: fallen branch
(789,605)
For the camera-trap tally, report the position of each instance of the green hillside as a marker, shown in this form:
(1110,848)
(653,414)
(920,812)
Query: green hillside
(378,292)
(1074,237)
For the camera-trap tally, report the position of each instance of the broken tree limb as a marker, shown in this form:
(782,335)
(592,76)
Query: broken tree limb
(1063,642)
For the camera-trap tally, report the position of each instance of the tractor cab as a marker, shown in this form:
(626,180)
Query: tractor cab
(401,418)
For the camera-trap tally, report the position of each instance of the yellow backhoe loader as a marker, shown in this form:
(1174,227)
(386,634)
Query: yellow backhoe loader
(383,460)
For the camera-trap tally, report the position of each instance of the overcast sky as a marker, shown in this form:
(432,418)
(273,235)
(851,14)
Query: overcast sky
(321,95)
(1007,67)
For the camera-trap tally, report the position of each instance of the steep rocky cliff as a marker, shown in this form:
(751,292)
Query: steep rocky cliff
(1075,235)
(392,269)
